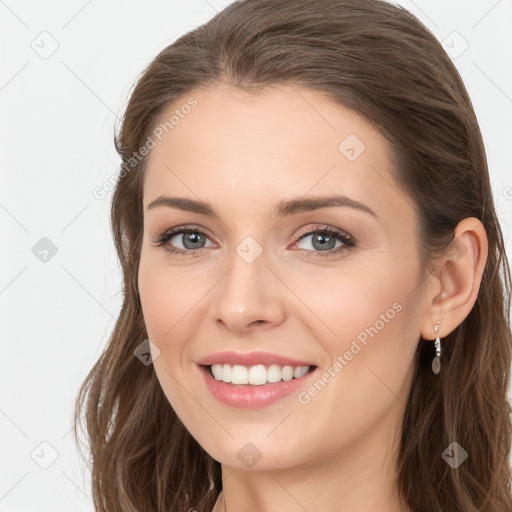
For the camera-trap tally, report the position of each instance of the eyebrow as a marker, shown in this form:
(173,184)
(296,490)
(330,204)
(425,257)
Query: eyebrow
(282,209)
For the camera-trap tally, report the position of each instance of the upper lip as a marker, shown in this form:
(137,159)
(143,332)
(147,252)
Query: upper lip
(250,359)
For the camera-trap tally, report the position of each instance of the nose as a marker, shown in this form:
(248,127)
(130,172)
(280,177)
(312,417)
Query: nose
(249,297)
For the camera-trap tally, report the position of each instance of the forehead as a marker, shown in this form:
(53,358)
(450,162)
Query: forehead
(242,148)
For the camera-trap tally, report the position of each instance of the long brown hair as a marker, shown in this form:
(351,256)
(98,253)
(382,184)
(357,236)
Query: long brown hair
(380,61)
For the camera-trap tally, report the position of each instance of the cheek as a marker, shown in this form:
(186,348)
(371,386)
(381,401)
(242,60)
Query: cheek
(375,324)
(369,325)
(352,301)
(167,298)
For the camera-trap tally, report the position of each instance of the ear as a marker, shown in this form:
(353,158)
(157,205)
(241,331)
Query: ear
(454,284)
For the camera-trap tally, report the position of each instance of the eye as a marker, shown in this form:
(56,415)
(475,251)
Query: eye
(191,240)
(323,241)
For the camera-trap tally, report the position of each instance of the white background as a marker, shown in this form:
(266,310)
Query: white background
(57,125)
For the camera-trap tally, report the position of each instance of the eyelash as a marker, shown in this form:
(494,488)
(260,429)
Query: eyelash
(347,240)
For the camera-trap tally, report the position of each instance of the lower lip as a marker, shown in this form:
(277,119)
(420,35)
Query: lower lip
(250,396)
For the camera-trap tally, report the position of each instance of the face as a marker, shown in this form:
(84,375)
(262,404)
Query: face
(334,285)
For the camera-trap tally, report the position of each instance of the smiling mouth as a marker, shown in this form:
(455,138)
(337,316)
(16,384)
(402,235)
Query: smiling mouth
(256,375)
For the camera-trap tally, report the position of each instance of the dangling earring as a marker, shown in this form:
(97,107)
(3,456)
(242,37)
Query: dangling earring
(436,362)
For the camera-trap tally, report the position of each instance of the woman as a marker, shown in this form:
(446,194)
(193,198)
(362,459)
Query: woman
(313,265)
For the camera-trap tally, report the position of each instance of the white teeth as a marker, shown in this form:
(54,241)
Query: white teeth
(217,371)
(274,373)
(256,375)
(287,373)
(300,371)
(226,372)
(239,375)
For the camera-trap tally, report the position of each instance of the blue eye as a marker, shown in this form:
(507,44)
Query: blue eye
(324,241)
(193,240)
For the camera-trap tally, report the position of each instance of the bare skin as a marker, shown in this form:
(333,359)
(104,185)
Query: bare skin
(243,154)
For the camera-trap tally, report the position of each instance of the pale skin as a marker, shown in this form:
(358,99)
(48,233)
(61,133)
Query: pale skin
(243,154)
